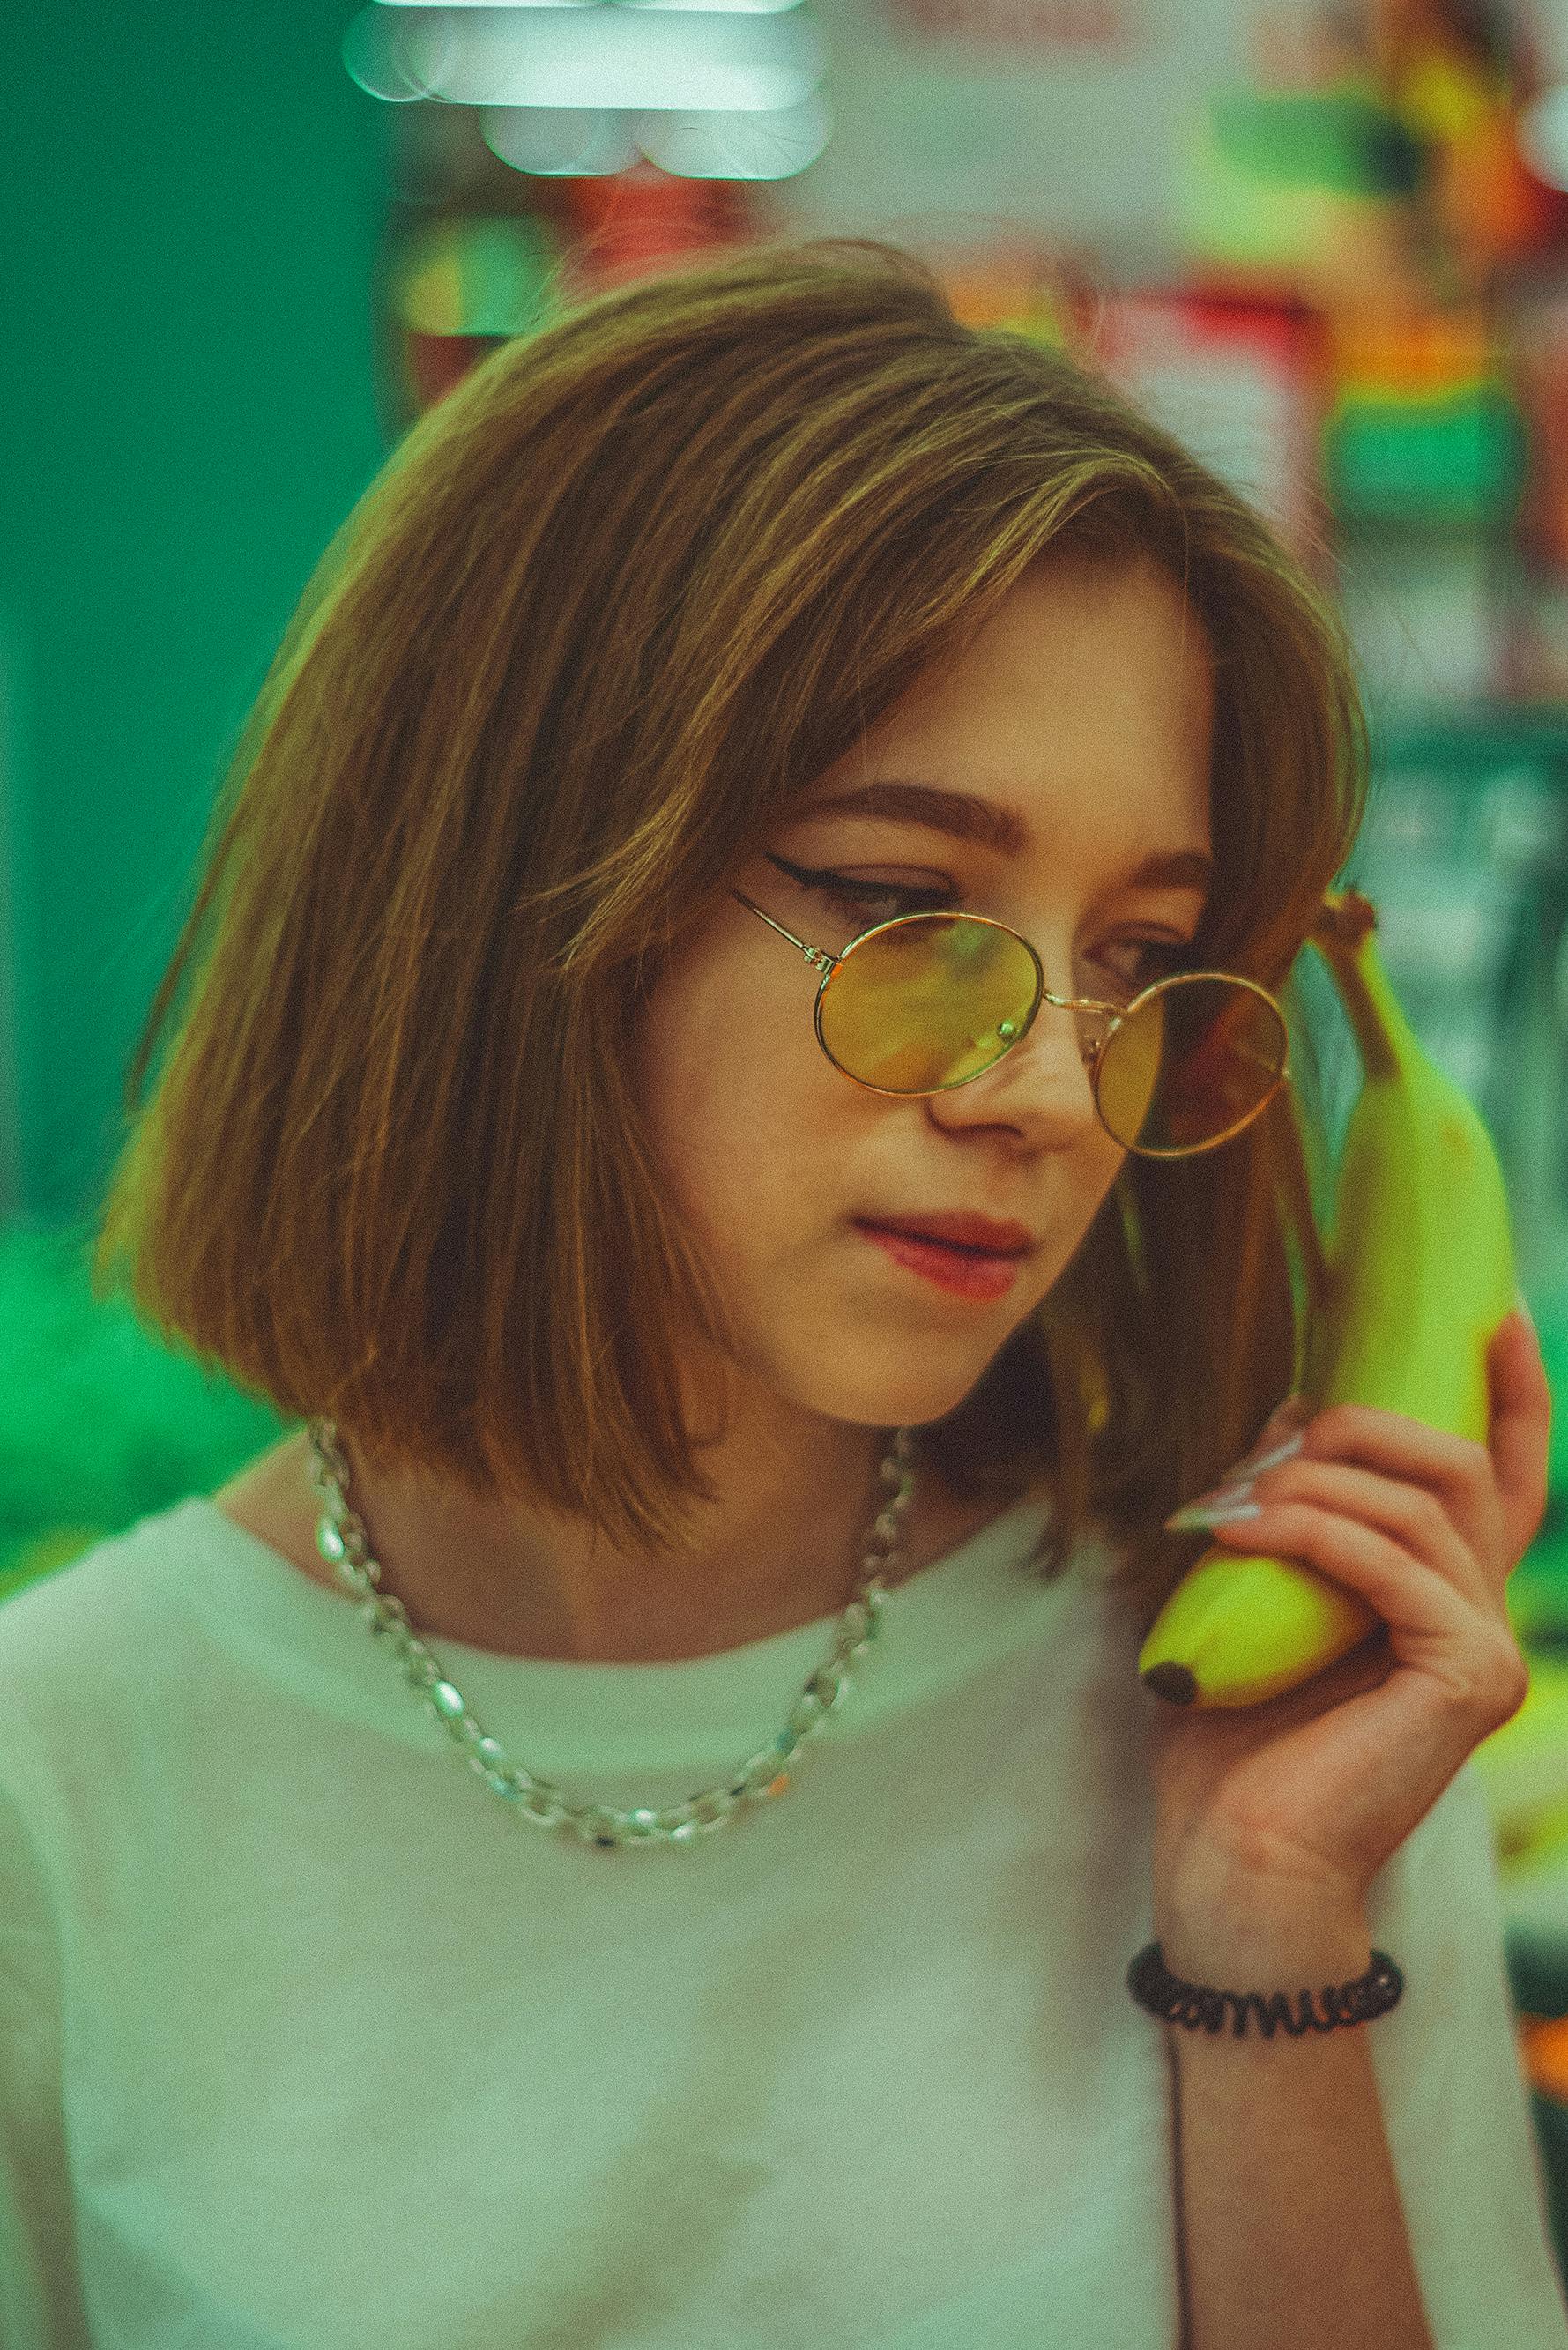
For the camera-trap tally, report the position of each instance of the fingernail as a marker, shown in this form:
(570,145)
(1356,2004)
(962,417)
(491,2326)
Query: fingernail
(1522,1302)
(1285,1451)
(1213,1514)
(1228,1499)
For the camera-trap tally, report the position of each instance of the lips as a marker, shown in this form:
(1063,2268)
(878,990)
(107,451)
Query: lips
(962,1229)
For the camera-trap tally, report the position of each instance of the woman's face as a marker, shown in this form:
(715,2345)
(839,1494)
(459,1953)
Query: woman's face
(1085,709)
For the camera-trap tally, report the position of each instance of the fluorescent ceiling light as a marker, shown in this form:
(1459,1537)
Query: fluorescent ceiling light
(587,54)
(585,141)
(737,146)
(561,141)
(713,7)
(373,60)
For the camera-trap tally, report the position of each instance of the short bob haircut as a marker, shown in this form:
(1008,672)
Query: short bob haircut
(609,606)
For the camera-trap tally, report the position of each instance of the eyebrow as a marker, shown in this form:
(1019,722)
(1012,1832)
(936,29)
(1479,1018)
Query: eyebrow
(963,817)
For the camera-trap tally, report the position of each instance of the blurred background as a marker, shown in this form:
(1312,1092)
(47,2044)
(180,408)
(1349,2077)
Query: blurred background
(1327,245)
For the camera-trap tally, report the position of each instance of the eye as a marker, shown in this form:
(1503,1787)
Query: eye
(1157,959)
(870,902)
(878,901)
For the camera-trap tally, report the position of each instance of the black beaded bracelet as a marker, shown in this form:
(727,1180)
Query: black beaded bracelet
(1154,1987)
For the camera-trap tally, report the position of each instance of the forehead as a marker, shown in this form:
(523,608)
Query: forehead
(1084,701)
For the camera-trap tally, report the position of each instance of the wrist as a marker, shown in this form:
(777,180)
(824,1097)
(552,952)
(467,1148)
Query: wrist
(1256,1938)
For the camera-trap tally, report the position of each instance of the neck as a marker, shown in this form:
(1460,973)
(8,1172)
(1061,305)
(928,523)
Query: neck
(768,1557)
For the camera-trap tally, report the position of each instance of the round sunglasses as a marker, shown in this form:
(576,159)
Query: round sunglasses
(930,1001)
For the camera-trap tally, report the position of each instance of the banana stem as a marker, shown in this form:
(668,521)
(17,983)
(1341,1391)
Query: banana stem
(1346,938)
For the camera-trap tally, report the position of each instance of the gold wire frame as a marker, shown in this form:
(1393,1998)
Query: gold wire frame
(1117,1014)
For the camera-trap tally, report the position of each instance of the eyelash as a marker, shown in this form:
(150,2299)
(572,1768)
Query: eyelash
(1160,957)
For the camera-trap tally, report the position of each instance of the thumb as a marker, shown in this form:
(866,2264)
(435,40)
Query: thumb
(1519,1432)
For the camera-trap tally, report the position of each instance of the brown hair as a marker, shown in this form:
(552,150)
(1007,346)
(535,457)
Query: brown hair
(607,609)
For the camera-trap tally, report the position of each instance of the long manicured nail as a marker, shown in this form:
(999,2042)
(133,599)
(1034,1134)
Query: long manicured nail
(1237,1482)
(1292,1445)
(1228,1498)
(1212,1513)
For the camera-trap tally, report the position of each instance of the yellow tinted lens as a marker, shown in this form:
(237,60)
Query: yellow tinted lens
(1190,1065)
(926,1002)
(930,1000)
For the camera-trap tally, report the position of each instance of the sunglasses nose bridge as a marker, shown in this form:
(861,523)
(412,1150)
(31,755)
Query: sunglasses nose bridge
(1093,1033)
(1090,1035)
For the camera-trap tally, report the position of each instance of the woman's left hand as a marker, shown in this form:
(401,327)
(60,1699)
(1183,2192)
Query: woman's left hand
(1304,1798)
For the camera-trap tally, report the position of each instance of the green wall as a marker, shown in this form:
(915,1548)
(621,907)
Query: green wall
(191,404)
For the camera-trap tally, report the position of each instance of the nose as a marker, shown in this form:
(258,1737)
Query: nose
(1047,1077)
(1061,1017)
(1066,1029)
(1089,1026)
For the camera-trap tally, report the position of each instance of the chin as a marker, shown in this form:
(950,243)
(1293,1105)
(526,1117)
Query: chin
(902,1401)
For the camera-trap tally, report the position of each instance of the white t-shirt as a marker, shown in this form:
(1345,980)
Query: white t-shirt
(307,2042)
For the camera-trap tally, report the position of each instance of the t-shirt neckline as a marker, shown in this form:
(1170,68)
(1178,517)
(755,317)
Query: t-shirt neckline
(975,1602)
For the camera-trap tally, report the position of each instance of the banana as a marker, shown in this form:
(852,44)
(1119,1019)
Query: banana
(1420,1274)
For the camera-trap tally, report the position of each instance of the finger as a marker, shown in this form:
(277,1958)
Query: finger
(1459,1471)
(1520,1434)
(1455,1472)
(1410,1515)
(1434,1628)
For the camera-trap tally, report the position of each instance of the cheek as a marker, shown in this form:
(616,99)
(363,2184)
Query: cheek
(743,1105)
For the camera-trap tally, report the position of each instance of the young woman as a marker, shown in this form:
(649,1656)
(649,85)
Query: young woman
(719,811)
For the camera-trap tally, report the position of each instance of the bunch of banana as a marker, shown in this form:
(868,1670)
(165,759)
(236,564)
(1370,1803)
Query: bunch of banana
(1420,1270)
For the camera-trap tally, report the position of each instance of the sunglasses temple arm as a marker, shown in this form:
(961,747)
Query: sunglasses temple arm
(818,957)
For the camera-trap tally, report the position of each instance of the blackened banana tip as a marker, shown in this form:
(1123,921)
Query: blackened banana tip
(1173,1682)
